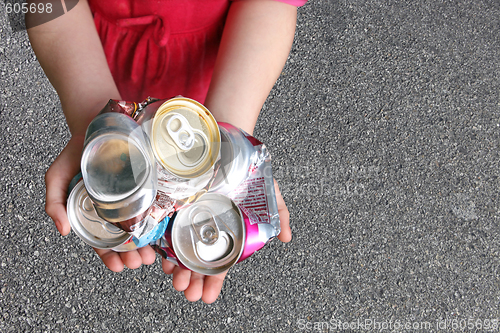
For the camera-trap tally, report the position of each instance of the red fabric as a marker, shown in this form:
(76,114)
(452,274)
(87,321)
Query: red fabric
(161,48)
(296,3)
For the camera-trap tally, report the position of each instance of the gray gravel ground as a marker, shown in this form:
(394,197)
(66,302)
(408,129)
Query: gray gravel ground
(384,128)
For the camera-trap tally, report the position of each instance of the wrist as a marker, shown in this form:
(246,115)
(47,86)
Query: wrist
(238,117)
(78,120)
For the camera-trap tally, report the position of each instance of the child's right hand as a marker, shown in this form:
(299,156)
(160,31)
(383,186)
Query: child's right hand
(84,83)
(57,180)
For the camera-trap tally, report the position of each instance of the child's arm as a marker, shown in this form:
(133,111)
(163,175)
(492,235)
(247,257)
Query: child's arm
(255,45)
(70,52)
(256,42)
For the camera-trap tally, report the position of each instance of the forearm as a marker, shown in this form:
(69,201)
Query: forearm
(70,52)
(255,44)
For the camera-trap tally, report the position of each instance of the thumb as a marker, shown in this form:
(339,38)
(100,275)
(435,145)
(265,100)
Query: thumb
(286,233)
(57,180)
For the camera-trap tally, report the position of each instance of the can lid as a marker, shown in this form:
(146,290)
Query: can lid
(208,236)
(185,137)
(85,222)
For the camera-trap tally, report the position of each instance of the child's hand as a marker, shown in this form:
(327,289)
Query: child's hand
(194,285)
(57,180)
(208,288)
(132,259)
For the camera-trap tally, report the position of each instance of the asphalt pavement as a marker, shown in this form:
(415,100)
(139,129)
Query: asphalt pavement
(384,130)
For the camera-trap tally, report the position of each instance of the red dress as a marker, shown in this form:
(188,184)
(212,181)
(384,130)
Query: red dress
(161,48)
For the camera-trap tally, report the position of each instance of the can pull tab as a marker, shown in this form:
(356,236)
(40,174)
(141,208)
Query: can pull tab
(181,132)
(204,223)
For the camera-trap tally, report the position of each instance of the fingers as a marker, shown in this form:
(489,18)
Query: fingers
(115,261)
(57,180)
(212,287)
(148,255)
(195,285)
(181,278)
(167,266)
(131,259)
(195,289)
(111,259)
(286,233)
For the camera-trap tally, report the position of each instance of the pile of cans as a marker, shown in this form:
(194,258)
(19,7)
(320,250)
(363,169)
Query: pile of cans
(165,173)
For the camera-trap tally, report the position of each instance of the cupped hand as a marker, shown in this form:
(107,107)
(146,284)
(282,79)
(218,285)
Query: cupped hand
(57,180)
(208,287)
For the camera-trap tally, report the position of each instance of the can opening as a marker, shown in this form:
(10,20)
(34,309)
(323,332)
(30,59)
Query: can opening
(210,242)
(219,250)
(115,167)
(197,152)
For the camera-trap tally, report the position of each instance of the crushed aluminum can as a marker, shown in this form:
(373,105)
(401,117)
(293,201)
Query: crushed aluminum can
(99,233)
(255,195)
(92,229)
(119,172)
(253,200)
(237,157)
(206,237)
(185,140)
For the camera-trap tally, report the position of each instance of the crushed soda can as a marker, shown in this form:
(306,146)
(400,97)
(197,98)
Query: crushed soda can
(185,140)
(91,228)
(119,172)
(101,234)
(255,194)
(235,219)
(206,237)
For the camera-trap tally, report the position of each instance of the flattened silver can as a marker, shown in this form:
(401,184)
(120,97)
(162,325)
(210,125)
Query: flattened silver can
(237,157)
(92,229)
(119,170)
(208,236)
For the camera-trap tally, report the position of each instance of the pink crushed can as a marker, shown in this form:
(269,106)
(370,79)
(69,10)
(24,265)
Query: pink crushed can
(246,178)
(209,236)
(236,218)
